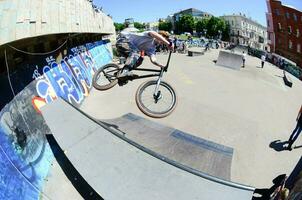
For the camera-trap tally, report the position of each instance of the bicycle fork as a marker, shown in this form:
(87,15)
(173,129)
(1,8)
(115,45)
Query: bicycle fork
(157,94)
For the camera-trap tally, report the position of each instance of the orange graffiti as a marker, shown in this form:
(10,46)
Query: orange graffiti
(38,103)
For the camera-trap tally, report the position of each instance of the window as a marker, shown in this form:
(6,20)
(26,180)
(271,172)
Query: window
(287,15)
(298,48)
(232,23)
(279,26)
(290,44)
(277,12)
(295,17)
(268,23)
(289,29)
(298,32)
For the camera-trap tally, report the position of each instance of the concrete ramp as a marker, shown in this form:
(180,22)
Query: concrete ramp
(229,60)
(200,154)
(118,168)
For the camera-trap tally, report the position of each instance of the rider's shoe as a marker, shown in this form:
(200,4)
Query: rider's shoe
(126,73)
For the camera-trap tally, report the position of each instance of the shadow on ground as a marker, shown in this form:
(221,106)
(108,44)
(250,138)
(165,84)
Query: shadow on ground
(278,145)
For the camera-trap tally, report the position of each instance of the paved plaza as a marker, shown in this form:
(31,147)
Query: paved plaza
(246,110)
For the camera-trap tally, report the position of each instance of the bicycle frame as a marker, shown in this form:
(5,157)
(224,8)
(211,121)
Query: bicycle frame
(159,72)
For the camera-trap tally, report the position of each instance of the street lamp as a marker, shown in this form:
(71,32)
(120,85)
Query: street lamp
(205,32)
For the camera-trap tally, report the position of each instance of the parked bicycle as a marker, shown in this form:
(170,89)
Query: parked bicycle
(154,98)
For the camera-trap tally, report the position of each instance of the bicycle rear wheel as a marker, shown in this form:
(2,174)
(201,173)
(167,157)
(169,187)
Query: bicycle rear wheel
(157,105)
(106,77)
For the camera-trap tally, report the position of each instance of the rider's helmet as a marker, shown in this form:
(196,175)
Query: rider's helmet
(165,34)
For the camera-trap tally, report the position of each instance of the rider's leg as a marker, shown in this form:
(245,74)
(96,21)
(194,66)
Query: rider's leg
(130,64)
(131,61)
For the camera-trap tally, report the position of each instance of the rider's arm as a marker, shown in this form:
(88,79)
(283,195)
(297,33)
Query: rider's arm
(161,38)
(154,61)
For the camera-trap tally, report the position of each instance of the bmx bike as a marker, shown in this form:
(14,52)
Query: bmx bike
(154,98)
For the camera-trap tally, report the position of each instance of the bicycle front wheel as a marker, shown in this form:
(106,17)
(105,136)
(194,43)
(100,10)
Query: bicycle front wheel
(157,105)
(106,77)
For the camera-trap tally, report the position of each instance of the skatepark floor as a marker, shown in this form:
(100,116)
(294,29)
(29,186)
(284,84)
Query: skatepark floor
(246,110)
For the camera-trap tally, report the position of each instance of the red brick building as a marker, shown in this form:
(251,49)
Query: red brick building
(285,30)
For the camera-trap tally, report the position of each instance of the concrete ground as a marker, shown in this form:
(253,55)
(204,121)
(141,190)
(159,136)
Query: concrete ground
(246,110)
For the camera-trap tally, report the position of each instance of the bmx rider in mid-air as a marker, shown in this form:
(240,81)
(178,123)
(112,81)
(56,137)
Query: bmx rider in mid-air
(134,46)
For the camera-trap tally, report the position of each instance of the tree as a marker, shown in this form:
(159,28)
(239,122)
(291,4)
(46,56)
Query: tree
(226,33)
(216,28)
(186,23)
(201,25)
(212,27)
(119,26)
(139,25)
(165,26)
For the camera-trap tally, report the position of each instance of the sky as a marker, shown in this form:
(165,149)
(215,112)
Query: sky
(152,10)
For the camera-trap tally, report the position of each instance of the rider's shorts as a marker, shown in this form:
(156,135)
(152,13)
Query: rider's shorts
(126,49)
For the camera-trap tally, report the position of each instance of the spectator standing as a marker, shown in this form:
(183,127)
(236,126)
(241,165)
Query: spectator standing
(296,132)
(175,43)
(243,59)
(263,57)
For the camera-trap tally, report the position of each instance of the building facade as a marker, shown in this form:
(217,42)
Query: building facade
(247,32)
(152,26)
(284,30)
(197,14)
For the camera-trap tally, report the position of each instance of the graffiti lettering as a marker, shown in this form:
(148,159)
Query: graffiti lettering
(71,79)
(36,73)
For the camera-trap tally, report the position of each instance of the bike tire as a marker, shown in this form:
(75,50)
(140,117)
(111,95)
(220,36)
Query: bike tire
(110,73)
(151,113)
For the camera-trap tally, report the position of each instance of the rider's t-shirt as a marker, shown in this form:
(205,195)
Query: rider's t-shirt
(141,41)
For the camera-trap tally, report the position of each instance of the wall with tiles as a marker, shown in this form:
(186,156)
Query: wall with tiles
(21,19)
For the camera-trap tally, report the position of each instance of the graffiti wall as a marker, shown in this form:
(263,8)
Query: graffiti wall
(25,155)
(71,78)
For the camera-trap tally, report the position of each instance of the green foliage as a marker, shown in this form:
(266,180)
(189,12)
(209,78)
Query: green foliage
(139,26)
(119,26)
(214,27)
(201,25)
(165,26)
(186,23)
(226,33)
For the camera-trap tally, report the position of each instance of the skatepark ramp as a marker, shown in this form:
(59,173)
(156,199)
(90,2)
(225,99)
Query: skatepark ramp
(119,168)
(229,60)
(176,145)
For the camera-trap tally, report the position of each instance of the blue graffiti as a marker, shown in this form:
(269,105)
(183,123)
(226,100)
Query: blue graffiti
(80,70)
(71,79)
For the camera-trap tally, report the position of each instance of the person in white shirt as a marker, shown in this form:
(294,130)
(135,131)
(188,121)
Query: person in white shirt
(243,59)
(263,57)
(133,45)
